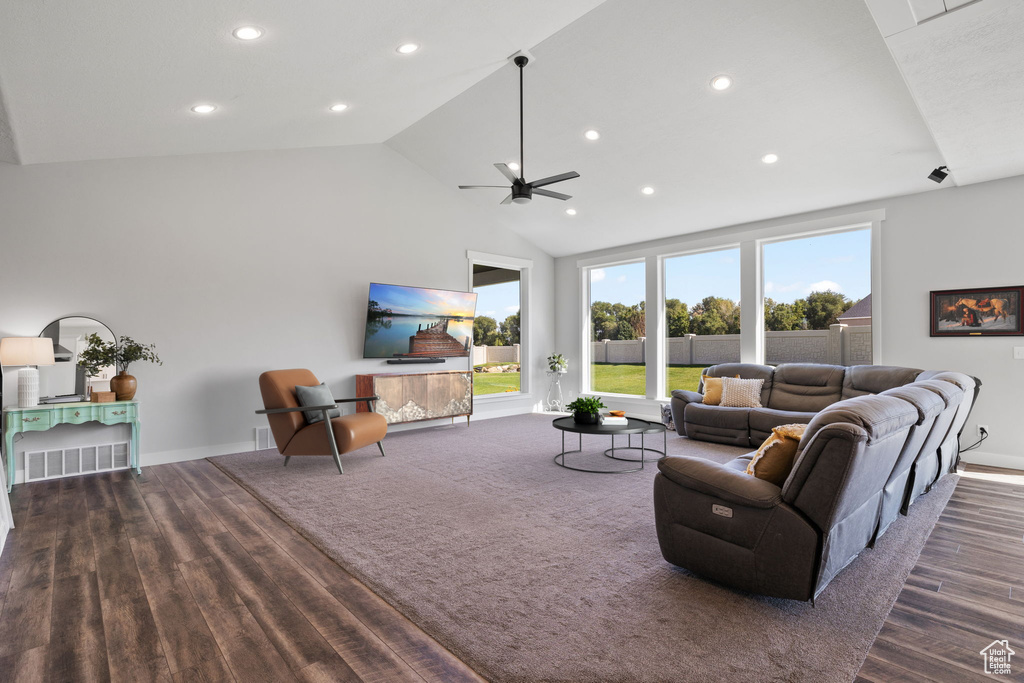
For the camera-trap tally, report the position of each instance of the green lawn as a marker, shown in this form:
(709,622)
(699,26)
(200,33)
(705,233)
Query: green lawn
(495,382)
(607,378)
(631,379)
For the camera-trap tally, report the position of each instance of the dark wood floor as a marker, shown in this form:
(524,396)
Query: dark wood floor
(966,590)
(180,574)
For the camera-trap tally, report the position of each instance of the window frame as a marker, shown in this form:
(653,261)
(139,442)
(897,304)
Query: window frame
(525,268)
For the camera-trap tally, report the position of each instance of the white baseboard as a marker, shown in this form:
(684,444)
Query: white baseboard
(183,454)
(1013,462)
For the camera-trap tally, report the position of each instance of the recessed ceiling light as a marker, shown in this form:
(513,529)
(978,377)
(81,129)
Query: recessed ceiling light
(204,108)
(721,82)
(513,165)
(247,33)
(571,212)
(770,158)
(591,134)
(647,189)
(339,107)
(407,48)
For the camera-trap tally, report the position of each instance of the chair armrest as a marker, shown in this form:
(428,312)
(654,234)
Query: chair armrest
(718,480)
(688,396)
(360,398)
(275,411)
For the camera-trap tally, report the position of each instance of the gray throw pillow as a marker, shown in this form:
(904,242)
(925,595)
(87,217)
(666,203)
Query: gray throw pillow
(316,396)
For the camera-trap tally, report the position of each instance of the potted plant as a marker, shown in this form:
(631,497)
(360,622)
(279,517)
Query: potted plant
(558,363)
(121,354)
(585,410)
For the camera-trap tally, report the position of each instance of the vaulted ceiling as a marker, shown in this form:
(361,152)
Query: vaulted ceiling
(859,99)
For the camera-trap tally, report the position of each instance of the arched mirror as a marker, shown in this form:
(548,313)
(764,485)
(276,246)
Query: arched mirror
(64,379)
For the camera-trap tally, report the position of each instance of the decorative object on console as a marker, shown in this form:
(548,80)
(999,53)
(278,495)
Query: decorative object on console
(979,312)
(72,377)
(586,410)
(29,352)
(102,397)
(121,355)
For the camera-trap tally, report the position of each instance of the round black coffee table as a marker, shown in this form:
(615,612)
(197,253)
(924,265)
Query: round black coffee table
(633,426)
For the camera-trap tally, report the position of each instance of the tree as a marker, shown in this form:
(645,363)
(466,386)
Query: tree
(824,309)
(509,330)
(601,314)
(707,316)
(624,330)
(782,317)
(677,318)
(485,331)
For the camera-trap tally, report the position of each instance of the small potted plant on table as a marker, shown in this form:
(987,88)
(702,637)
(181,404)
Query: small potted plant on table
(121,355)
(585,410)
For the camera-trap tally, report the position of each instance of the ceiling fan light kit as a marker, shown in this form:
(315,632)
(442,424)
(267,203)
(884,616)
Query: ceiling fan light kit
(521,191)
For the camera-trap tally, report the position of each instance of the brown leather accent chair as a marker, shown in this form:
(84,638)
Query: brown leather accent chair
(333,436)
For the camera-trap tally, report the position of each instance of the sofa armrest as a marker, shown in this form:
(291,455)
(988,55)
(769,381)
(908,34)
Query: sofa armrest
(718,480)
(688,396)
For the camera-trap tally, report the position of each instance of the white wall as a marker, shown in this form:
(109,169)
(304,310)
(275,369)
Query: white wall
(237,263)
(957,237)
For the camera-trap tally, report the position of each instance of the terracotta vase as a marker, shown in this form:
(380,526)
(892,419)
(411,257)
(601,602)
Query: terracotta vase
(124,385)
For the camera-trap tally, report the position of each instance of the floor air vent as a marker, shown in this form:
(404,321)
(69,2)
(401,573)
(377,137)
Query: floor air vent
(68,462)
(263,441)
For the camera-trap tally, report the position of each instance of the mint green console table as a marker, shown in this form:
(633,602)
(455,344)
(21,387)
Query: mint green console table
(42,418)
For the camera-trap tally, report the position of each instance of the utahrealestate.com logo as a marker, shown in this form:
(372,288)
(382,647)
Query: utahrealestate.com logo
(997,657)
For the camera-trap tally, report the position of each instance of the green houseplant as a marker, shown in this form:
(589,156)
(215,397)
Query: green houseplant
(585,409)
(121,354)
(558,363)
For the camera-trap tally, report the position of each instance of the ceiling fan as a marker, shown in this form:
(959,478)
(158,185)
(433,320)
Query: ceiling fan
(522,191)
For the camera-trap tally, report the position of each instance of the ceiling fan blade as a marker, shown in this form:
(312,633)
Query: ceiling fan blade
(477,187)
(549,193)
(507,200)
(507,172)
(554,179)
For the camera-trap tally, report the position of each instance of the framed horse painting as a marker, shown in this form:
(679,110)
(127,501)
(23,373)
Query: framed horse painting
(984,312)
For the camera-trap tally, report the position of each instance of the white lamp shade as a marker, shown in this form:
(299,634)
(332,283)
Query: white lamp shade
(26,351)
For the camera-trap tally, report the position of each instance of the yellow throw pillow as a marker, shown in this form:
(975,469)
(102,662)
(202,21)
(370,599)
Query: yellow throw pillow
(774,459)
(713,390)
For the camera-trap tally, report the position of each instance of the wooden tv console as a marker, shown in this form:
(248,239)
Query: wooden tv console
(418,396)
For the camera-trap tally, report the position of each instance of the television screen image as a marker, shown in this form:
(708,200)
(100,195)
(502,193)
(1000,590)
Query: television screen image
(415,322)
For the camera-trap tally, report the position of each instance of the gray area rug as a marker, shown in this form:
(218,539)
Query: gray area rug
(531,572)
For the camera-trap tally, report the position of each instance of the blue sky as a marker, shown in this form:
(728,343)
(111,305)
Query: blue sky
(497,301)
(792,270)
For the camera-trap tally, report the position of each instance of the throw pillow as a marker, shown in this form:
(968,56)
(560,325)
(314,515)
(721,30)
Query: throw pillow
(713,390)
(741,393)
(316,396)
(774,459)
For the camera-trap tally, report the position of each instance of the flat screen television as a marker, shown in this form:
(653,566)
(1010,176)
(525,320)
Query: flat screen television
(416,322)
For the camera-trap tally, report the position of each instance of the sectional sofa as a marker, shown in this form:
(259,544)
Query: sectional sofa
(877,438)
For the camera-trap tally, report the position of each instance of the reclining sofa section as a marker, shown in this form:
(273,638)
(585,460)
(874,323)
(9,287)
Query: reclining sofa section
(877,438)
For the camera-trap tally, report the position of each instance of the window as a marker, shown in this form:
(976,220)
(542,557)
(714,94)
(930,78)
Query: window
(618,329)
(702,314)
(817,299)
(496,330)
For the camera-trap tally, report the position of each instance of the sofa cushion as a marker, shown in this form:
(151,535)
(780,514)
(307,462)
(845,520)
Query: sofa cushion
(927,403)
(718,424)
(744,371)
(774,459)
(712,391)
(878,416)
(741,393)
(806,387)
(763,420)
(859,380)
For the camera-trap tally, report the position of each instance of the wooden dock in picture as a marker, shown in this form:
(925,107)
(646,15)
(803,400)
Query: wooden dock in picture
(435,342)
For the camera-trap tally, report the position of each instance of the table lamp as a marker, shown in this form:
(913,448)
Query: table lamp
(30,352)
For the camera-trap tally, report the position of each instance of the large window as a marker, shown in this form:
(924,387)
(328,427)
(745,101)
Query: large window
(817,299)
(702,314)
(496,330)
(618,333)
